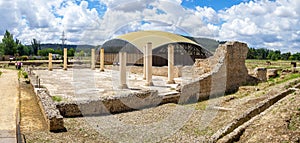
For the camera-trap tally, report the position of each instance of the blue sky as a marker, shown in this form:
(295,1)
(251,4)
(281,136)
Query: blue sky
(272,24)
(215,4)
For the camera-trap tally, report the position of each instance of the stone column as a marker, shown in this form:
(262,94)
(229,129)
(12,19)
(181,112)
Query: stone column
(102,60)
(50,62)
(93,59)
(170,64)
(144,65)
(149,65)
(65,58)
(122,70)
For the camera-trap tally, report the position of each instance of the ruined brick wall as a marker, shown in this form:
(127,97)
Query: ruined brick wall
(237,73)
(223,72)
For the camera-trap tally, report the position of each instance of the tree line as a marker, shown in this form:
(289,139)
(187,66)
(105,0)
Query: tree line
(15,48)
(267,54)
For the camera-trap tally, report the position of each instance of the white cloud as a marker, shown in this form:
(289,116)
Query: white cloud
(260,23)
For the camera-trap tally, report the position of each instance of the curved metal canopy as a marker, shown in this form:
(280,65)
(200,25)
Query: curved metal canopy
(157,38)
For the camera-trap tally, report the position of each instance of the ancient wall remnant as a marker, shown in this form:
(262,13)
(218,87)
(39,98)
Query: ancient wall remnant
(54,120)
(115,104)
(227,66)
(272,73)
(261,74)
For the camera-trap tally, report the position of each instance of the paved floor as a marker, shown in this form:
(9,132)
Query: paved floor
(83,84)
(8,105)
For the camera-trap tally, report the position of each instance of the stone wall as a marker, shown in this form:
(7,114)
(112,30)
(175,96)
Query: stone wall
(114,104)
(53,118)
(158,71)
(225,71)
(261,74)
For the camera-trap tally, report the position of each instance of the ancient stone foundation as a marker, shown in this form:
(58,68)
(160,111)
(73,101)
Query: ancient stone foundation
(223,72)
(261,74)
(114,104)
(53,118)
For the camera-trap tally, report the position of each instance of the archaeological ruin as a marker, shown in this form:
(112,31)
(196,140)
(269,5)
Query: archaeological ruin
(125,87)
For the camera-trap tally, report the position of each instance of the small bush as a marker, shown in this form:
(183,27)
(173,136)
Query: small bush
(24,58)
(0,73)
(57,98)
(25,74)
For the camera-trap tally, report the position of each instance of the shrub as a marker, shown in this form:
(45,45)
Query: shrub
(25,74)
(0,73)
(57,98)
(24,58)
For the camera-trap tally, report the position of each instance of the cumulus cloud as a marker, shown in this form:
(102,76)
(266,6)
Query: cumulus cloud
(260,23)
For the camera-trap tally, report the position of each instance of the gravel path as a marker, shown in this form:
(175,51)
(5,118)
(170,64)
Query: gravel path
(8,105)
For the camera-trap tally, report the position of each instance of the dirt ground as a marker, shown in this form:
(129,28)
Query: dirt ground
(280,123)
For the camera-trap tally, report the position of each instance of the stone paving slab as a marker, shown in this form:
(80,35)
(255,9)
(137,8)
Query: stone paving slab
(87,84)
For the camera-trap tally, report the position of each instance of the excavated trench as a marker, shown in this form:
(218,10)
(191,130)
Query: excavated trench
(234,130)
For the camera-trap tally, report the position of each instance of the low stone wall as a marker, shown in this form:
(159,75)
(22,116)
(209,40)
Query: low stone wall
(262,106)
(52,116)
(110,105)
(158,71)
(54,120)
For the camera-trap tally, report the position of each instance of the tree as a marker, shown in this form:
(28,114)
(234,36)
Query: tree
(36,46)
(71,52)
(1,49)
(9,45)
(46,51)
(285,56)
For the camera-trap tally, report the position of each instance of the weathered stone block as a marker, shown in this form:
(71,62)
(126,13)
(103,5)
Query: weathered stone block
(261,73)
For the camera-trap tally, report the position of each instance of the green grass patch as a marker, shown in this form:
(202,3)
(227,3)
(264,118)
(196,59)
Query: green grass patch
(200,106)
(19,74)
(289,77)
(25,74)
(172,88)
(57,98)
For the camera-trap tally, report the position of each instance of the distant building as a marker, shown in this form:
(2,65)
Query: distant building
(186,50)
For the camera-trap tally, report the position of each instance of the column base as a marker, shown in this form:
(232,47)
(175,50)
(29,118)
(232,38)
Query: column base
(50,69)
(65,69)
(124,86)
(144,78)
(149,84)
(171,82)
(102,70)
